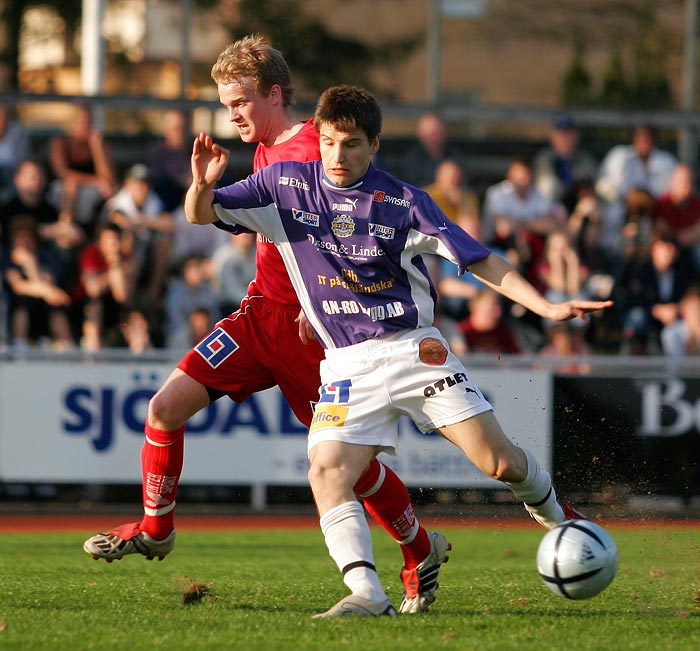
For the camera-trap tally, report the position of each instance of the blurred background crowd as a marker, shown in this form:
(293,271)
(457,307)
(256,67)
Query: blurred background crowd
(96,255)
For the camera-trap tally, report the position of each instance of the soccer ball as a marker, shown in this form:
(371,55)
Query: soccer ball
(577,559)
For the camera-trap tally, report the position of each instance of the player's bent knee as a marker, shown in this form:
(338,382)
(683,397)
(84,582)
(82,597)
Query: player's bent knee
(160,413)
(322,478)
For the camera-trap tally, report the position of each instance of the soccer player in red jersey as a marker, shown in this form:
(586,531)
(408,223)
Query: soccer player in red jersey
(266,342)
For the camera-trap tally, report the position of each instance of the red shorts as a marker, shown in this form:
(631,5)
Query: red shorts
(255,348)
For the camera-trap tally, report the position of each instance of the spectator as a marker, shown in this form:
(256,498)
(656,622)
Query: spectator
(451,194)
(29,199)
(133,333)
(14,148)
(106,285)
(169,160)
(137,209)
(184,295)
(682,337)
(566,340)
(233,267)
(38,306)
(640,164)
(485,330)
(455,290)
(561,166)
(677,213)
(421,161)
(651,296)
(563,277)
(201,323)
(188,239)
(637,231)
(560,271)
(517,217)
(585,227)
(81,163)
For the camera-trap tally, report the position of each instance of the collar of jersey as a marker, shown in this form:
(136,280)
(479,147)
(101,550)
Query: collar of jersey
(356,184)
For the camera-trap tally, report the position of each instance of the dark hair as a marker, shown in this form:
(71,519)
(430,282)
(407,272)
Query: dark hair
(110,226)
(23,223)
(349,108)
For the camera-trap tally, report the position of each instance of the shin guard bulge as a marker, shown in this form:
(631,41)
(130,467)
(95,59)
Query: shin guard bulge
(349,543)
(387,500)
(161,466)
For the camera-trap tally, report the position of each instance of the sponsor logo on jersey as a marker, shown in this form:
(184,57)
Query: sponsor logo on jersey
(217,347)
(294,182)
(337,392)
(343,225)
(447,383)
(382,197)
(432,352)
(348,206)
(308,218)
(383,232)
(328,416)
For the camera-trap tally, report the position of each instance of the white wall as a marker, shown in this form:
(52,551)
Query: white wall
(79,422)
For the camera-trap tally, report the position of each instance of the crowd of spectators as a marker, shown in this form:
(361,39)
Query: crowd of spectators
(625,227)
(96,259)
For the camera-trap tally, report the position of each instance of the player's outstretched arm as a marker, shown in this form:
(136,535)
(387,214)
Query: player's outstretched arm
(501,276)
(209,161)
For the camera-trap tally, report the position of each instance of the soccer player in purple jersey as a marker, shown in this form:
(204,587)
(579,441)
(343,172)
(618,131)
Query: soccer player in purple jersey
(259,346)
(351,237)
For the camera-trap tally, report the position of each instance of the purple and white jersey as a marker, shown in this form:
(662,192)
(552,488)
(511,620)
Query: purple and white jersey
(352,253)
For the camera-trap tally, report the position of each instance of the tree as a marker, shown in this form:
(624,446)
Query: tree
(652,88)
(576,86)
(601,24)
(615,91)
(316,56)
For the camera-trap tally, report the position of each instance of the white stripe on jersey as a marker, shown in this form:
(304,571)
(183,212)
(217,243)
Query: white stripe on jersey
(268,221)
(420,284)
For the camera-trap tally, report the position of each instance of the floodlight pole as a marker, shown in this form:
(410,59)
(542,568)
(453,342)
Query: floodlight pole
(433,46)
(688,139)
(92,55)
(185,53)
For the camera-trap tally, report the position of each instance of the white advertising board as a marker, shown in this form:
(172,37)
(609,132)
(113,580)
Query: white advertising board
(83,423)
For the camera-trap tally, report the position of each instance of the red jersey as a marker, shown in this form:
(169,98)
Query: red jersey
(271,277)
(499,340)
(677,216)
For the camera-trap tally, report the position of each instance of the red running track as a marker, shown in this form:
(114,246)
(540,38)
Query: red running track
(32,523)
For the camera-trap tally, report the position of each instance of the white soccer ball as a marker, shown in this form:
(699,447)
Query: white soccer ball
(577,559)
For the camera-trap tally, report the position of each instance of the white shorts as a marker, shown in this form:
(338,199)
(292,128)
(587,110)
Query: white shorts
(367,387)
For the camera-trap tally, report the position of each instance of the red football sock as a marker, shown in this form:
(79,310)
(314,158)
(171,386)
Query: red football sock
(387,500)
(161,464)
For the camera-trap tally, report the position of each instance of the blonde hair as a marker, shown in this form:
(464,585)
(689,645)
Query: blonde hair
(253,57)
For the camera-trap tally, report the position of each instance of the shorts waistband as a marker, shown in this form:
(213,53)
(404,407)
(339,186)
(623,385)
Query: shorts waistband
(376,343)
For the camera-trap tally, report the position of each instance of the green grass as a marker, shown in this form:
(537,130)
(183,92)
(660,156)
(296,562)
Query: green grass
(264,587)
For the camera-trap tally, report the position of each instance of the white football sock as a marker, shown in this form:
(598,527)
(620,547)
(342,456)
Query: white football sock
(349,543)
(538,494)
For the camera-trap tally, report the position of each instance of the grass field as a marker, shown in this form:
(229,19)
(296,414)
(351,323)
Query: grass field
(260,589)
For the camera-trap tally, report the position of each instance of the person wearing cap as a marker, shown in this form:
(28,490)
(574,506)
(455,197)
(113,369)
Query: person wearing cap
(138,210)
(561,166)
